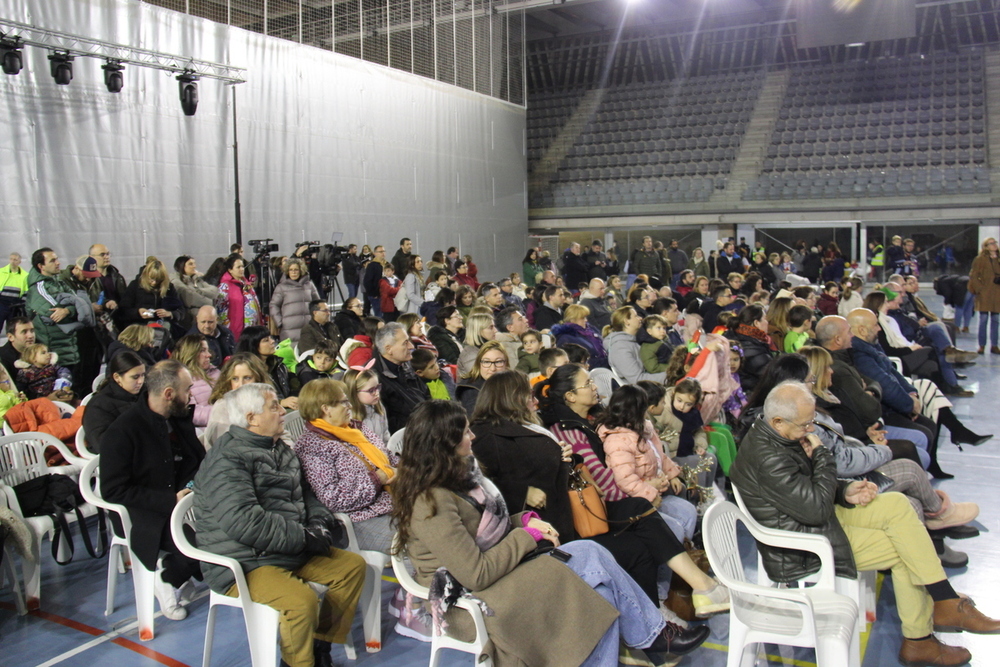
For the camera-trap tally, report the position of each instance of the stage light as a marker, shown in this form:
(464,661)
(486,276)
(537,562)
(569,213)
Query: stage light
(10,55)
(189,93)
(113,77)
(62,68)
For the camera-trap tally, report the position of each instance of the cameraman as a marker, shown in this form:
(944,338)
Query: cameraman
(351,264)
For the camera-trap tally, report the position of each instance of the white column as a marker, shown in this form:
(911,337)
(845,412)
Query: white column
(709,236)
(862,251)
(988,229)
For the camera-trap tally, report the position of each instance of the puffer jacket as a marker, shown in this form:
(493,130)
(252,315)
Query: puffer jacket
(42,296)
(252,505)
(448,344)
(290,306)
(632,467)
(623,356)
(194,292)
(237,305)
(589,339)
(756,356)
(785,489)
(104,408)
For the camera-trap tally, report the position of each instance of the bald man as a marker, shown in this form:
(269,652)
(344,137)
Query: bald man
(594,299)
(220,339)
(788,480)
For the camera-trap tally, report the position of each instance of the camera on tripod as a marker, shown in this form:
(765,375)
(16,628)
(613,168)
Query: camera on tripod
(263,246)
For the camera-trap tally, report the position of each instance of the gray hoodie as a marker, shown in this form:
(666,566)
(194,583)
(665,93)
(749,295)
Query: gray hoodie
(623,354)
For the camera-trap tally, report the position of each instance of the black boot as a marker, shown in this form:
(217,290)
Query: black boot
(321,651)
(676,640)
(960,433)
(935,470)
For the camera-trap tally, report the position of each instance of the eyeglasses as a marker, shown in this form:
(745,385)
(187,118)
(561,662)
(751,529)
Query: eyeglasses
(346,402)
(805,427)
(499,363)
(374,390)
(589,384)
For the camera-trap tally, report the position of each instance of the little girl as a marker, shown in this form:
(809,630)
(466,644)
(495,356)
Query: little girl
(527,356)
(737,401)
(40,375)
(364,392)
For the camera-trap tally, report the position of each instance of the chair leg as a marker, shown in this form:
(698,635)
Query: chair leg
(371,605)
(209,635)
(737,643)
(10,573)
(262,631)
(435,655)
(113,559)
(143,581)
(32,569)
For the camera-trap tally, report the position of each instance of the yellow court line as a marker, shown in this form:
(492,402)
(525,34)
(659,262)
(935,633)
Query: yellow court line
(386,577)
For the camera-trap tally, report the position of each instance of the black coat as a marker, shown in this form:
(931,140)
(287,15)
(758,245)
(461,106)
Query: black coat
(143,467)
(756,355)
(467,393)
(448,345)
(516,457)
(109,403)
(313,332)
(147,354)
(373,274)
(402,391)
(546,317)
(348,324)
(575,270)
(136,297)
(222,345)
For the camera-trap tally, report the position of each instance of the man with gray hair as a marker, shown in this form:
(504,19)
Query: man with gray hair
(788,480)
(402,390)
(253,504)
(595,300)
(510,324)
(149,455)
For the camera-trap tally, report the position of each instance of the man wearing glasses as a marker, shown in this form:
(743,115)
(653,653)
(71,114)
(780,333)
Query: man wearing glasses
(319,327)
(109,280)
(402,390)
(788,480)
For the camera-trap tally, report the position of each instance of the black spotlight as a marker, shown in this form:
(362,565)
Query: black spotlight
(62,68)
(189,93)
(113,77)
(10,55)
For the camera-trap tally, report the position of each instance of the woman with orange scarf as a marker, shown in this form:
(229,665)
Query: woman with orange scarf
(345,463)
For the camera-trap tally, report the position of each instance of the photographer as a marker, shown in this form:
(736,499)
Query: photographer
(352,270)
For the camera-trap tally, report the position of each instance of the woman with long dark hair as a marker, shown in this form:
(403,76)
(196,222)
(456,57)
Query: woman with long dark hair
(456,529)
(123,381)
(758,350)
(259,342)
(238,306)
(191,286)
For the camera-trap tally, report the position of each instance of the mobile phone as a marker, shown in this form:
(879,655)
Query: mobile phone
(560,555)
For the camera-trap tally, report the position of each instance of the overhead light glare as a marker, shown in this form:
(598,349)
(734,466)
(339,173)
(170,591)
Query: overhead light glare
(856,44)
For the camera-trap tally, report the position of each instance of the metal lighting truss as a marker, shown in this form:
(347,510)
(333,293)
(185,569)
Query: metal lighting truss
(76,45)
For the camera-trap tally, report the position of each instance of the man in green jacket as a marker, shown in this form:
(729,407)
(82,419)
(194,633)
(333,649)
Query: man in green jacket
(48,307)
(254,504)
(13,285)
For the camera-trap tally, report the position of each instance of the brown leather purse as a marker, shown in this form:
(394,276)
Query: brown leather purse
(590,516)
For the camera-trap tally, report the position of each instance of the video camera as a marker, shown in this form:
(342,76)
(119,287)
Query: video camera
(263,246)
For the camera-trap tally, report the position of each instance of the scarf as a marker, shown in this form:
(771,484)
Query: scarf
(444,590)
(691,421)
(562,415)
(753,332)
(372,455)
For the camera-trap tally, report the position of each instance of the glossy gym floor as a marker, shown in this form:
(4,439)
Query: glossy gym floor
(71,629)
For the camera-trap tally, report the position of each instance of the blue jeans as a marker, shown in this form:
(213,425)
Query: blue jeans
(638,622)
(680,515)
(940,341)
(994,320)
(376,306)
(918,438)
(963,314)
(352,290)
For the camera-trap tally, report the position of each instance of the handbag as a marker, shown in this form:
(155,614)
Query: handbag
(883,482)
(56,496)
(590,516)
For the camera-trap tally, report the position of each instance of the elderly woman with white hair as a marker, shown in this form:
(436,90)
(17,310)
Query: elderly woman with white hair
(252,505)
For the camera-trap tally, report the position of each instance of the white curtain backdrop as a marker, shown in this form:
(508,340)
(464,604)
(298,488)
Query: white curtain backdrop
(327,143)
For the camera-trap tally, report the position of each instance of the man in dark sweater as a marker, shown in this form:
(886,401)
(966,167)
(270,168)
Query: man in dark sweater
(20,334)
(219,338)
(373,275)
(550,312)
(720,298)
(401,260)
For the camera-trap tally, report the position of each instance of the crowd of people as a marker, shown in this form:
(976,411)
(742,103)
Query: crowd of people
(661,381)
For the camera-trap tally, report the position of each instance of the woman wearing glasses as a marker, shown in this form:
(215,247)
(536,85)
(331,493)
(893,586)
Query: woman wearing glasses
(346,463)
(492,359)
(348,320)
(259,342)
(447,334)
(365,394)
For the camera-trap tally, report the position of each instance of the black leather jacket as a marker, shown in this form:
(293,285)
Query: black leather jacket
(783,488)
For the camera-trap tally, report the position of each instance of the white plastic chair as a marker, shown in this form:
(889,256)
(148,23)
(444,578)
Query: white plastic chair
(96,384)
(817,617)
(22,457)
(81,436)
(294,425)
(395,444)
(8,572)
(371,594)
(477,647)
(302,356)
(898,363)
(119,554)
(261,621)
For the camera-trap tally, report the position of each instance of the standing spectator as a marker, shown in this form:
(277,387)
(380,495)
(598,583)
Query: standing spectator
(678,258)
(151,297)
(51,304)
(319,328)
(812,265)
(221,342)
(597,261)
(110,283)
(290,301)
(575,269)
(413,285)
(667,269)
(351,266)
(191,286)
(437,262)
(13,285)
(530,267)
(728,261)
(437,281)
(451,257)
(254,506)
(89,339)
(148,457)
(473,269)
(401,260)
(646,260)
(215,270)
(830,298)
(984,285)
(373,275)
(388,287)
(699,263)
(237,306)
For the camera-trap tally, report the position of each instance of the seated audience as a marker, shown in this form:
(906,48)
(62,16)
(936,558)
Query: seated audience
(193,352)
(549,360)
(550,310)
(240,369)
(402,390)
(491,359)
(439,382)
(258,341)
(415,330)
(479,329)
(347,321)
(322,363)
(758,349)
(358,351)
(38,371)
(653,350)
(138,338)
(20,334)
(448,334)
(799,328)
(253,505)
(221,342)
(123,380)
(314,327)
(623,350)
(829,300)
(365,393)
(527,355)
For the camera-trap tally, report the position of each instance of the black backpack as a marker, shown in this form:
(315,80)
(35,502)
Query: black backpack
(56,496)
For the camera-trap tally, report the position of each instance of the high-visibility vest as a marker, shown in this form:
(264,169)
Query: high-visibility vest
(878,258)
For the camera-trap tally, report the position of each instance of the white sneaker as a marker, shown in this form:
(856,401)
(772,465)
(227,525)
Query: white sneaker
(168,596)
(670,617)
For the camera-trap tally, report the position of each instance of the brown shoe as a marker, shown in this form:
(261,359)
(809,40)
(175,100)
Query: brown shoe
(932,653)
(995,350)
(982,350)
(965,329)
(961,614)
(953,355)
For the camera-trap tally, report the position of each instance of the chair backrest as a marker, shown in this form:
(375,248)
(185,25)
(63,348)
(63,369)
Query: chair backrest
(65,409)
(295,425)
(302,356)
(403,575)
(90,489)
(86,399)
(22,456)
(96,383)
(395,444)
(604,379)
(183,515)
